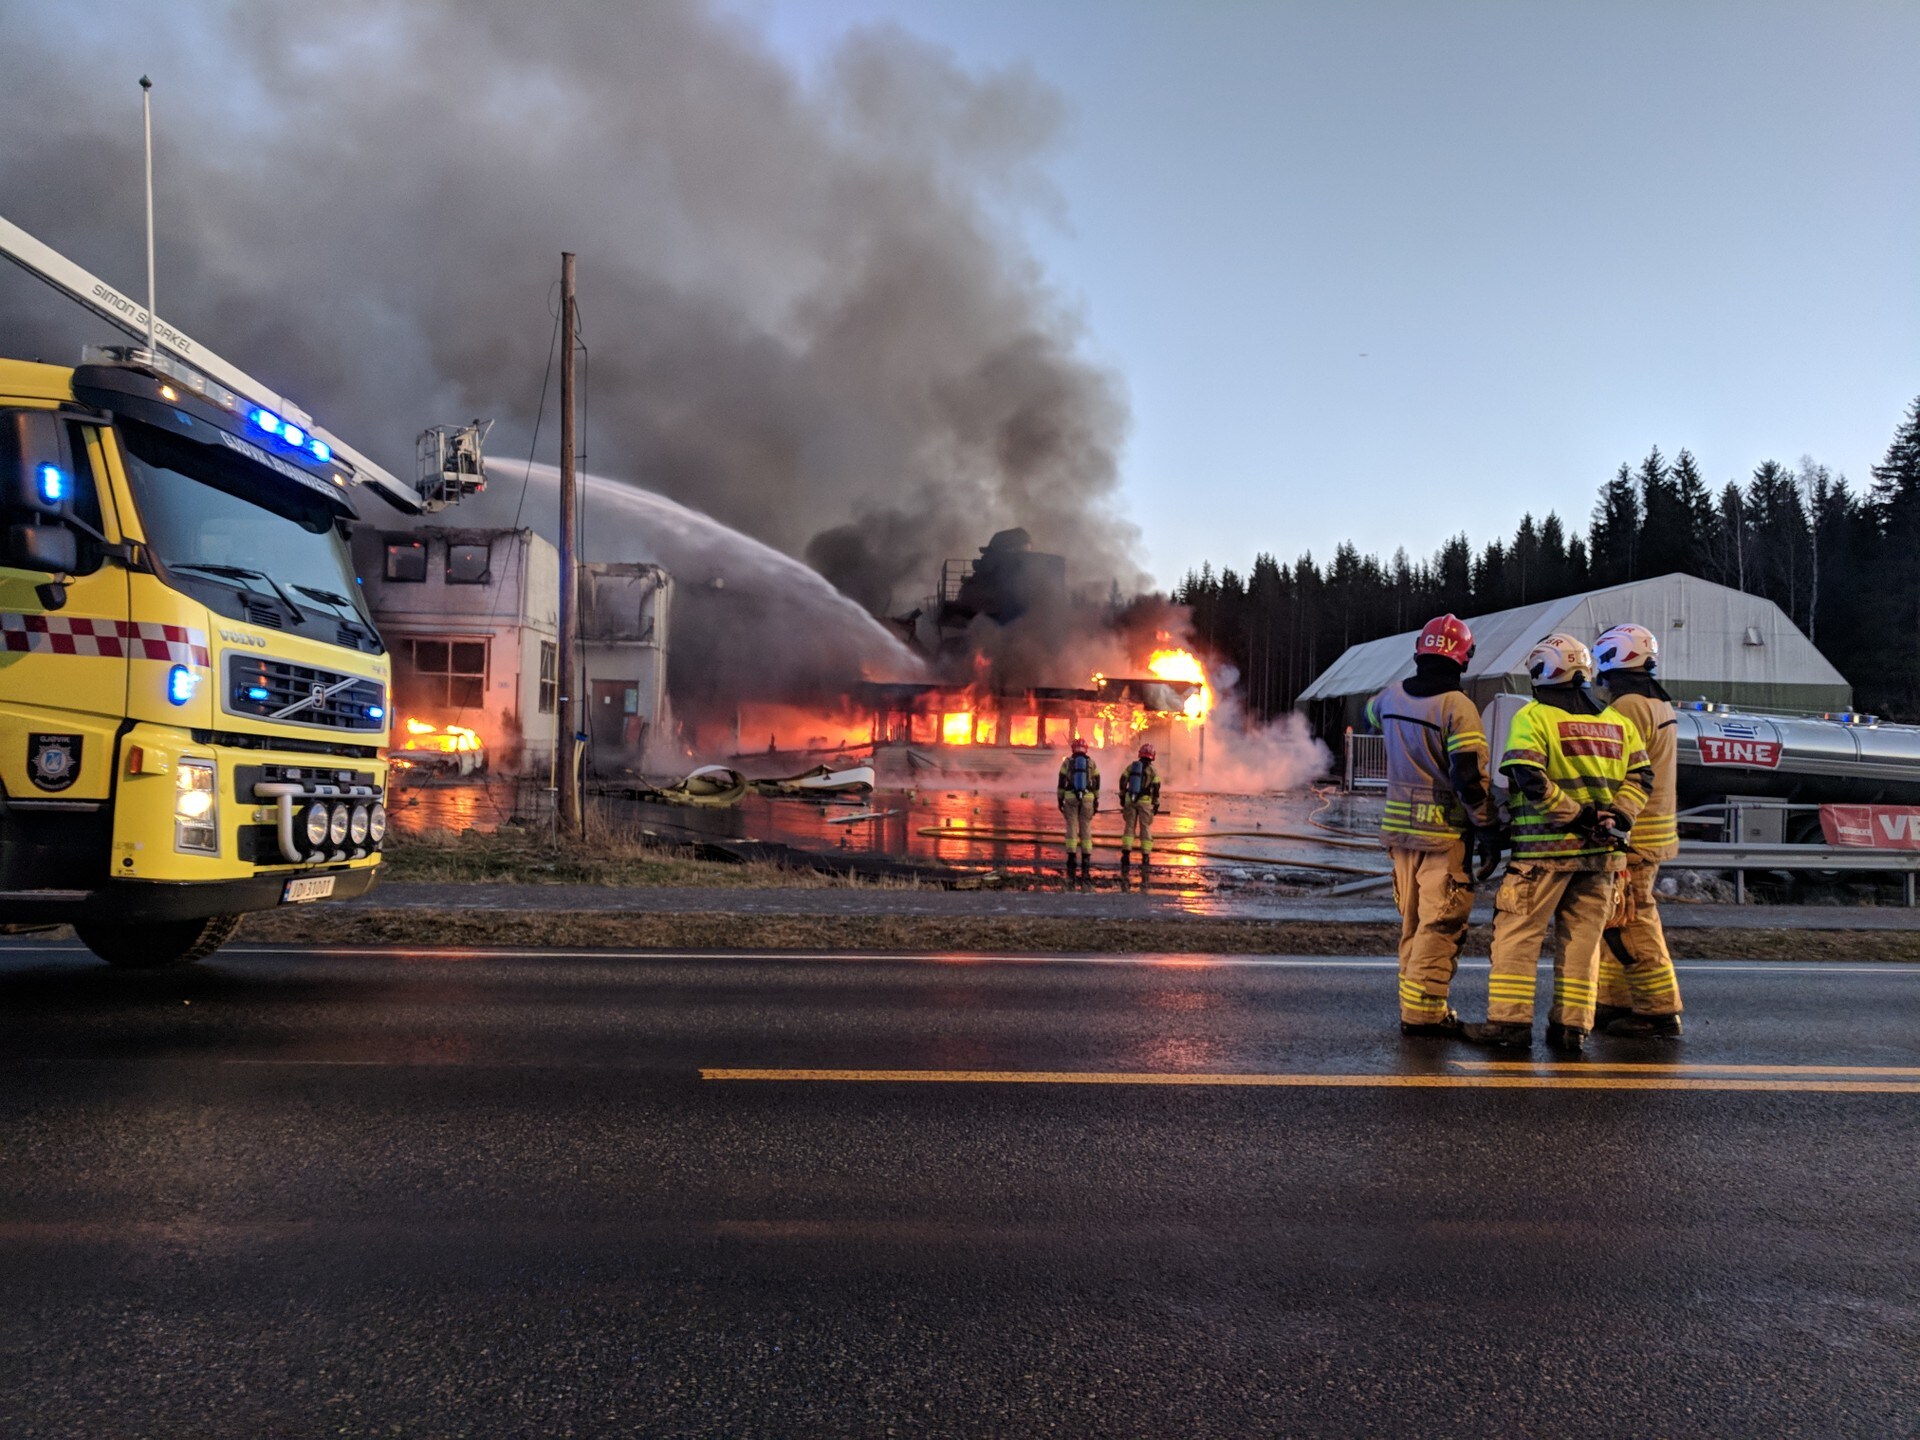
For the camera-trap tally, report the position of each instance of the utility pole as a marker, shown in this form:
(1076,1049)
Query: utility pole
(146,105)
(567,800)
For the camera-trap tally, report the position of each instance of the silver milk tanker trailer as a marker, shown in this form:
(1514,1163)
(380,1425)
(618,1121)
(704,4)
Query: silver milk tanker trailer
(1838,758)
(1833,759)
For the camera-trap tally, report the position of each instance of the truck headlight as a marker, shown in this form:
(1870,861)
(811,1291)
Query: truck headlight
(196,807)
(317,823)
(357,825)
(337,826)
(377,823)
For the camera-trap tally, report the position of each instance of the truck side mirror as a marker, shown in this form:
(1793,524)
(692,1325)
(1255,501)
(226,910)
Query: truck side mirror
(49,549)
(36,463)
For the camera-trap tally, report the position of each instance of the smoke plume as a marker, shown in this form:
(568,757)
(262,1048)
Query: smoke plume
(808,309)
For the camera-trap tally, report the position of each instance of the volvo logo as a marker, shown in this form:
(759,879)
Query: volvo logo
(318,692)
(240,637)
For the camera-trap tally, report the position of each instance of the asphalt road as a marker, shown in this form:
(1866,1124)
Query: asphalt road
(389,1193)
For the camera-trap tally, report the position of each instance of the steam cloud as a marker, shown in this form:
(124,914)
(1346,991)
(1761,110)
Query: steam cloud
(808,308)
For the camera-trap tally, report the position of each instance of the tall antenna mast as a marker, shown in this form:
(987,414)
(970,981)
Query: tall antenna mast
(146,104)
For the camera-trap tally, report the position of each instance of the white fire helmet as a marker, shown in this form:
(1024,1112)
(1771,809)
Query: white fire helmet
(1559,660)
(1627,647)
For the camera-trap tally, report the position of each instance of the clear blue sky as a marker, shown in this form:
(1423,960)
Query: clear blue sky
(1389,271)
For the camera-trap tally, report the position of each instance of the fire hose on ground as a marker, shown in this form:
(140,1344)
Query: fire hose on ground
(994,834)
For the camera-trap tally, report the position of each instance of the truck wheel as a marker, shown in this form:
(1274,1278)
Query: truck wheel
(156,946)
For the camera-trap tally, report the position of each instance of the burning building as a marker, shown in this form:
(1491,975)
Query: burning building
(985,734)
(472,620)
(624,615)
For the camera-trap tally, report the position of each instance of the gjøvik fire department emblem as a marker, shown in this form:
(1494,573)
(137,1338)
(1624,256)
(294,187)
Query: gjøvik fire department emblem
(53,761)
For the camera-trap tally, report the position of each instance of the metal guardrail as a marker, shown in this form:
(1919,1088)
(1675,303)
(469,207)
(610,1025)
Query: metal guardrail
(1721,855)
(1746,830)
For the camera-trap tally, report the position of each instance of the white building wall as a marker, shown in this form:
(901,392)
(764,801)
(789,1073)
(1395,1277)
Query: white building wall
(511,612)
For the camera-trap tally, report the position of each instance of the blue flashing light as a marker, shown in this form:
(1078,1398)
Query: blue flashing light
(322,451)
(53,485)
(259,693)
(293,434)
(181,683)
(267,421)
(376,712)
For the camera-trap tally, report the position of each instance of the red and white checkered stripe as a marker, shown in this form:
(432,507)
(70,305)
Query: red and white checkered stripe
(111,639)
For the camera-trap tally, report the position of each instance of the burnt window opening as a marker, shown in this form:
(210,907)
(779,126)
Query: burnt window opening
(469,565)
(407,562)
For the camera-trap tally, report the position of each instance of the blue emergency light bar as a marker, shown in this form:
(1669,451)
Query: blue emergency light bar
(291,434)
(53,485)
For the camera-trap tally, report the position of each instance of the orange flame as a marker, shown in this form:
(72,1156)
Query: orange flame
(1184,667)
(451,740)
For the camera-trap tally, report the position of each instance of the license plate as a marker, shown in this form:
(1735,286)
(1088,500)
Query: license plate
(314,887)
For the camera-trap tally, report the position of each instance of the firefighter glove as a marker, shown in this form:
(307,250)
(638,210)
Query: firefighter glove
(1489,843)
(1601,826)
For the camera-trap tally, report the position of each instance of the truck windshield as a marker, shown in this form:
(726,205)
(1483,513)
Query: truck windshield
(218,522)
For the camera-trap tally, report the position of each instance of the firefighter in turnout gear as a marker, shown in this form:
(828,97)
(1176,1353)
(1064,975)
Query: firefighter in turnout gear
(1639,992)
(1139,803)
(1079,803)
(1439,815)
(1580,776)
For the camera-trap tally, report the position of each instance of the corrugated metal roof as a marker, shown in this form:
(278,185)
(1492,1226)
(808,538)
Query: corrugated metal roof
(1709,634)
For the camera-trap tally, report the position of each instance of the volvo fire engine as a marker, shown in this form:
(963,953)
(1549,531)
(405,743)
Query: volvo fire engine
(194,700)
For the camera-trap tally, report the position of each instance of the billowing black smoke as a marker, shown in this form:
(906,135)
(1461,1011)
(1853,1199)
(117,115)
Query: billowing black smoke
(807,308)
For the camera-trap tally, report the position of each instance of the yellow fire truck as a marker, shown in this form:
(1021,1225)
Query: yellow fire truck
(193,696)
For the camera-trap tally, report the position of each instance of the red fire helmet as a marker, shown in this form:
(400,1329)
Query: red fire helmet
(1079,745)
(1147,752)
(1447,637)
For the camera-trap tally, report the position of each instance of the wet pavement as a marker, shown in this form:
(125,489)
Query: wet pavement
(383,1192)
(1298,838)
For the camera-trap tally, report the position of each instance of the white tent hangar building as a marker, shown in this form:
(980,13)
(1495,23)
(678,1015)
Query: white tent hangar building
(1716,643)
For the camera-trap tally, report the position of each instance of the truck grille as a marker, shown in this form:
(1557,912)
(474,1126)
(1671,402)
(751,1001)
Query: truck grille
(261,687)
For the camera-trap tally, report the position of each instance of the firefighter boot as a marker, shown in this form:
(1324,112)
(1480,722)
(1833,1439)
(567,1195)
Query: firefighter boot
(1447,1027)
(1499,1034)
(1643,1027)
(1126,863)
(1073,861)
(1566,1039)
(1605,1015)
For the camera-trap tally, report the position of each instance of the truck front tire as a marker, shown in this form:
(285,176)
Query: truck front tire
(157,945)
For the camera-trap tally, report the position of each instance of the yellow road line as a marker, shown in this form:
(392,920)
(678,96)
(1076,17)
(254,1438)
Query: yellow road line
(1497,1066)
(1310,1081)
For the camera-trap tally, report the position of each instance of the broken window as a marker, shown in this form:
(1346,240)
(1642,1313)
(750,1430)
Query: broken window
(468,565)
(407,562)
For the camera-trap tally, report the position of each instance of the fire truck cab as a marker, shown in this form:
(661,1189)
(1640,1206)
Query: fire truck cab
(193,696)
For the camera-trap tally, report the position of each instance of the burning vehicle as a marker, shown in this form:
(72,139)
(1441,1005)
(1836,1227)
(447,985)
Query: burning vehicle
(426,751)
